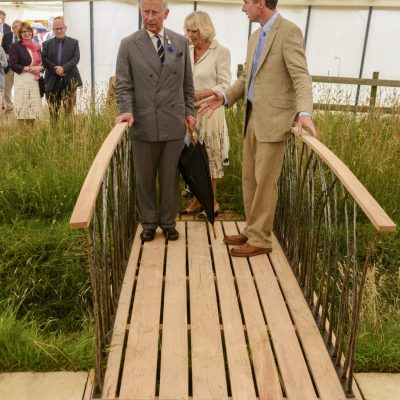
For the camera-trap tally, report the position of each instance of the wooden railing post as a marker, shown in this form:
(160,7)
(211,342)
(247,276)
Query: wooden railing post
(372,99)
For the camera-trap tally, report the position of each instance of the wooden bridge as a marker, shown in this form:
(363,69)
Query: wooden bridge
(184,320)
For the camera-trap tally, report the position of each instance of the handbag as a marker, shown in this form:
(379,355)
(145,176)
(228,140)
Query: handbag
(42,86)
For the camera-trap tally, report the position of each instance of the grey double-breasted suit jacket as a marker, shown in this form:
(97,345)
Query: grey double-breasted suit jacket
(159,96)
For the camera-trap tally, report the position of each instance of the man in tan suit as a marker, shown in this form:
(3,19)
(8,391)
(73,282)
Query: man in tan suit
(277,89)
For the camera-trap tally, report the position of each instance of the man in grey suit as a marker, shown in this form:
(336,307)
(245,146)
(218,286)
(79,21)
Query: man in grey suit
(154,90)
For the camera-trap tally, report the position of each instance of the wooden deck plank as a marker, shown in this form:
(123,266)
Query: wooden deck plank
(88,393)
(295,375)
(320,364)
(263,360)
(121,321)
(174,376)
(241,379)
(208,370)
(140,367)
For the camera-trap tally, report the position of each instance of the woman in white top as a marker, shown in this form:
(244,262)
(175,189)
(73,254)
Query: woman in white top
(211,65)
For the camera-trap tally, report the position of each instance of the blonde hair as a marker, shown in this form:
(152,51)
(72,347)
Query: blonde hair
(201,21)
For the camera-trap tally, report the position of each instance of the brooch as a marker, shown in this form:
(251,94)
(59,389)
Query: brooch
(170,46)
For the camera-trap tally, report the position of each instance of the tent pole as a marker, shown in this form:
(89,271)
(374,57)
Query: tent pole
(194,5)
(364,51)
(92,77)
(307,26)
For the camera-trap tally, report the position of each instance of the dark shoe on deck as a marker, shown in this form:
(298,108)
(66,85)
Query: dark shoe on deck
(148,235)
(171,233)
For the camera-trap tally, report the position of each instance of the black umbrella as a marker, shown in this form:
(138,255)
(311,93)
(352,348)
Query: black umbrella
(195,170)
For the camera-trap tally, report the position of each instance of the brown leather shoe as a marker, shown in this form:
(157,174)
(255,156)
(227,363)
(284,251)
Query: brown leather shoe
(235,239)
(248,250)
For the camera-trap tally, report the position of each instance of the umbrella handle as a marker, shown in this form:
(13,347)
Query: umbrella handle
(194,134)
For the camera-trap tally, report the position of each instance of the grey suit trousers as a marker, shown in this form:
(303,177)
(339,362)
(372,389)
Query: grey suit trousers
(152,159)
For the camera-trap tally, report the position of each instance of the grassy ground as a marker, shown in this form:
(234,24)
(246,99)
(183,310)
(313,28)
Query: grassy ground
(45,299)
(45,306)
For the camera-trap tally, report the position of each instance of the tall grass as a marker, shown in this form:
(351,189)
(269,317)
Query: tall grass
(25,346)
(43,167)
(45,310)
(230,186)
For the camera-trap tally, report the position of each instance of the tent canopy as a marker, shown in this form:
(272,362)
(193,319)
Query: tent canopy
(349,38)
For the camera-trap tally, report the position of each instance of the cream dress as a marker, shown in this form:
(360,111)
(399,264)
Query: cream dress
(212,71)
(27,100)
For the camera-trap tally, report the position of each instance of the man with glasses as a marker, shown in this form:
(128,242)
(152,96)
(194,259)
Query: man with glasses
(60,58)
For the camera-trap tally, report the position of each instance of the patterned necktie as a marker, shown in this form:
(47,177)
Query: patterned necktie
(160,49)
(260,47)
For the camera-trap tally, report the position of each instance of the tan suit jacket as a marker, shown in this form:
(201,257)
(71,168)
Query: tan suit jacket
(282,85)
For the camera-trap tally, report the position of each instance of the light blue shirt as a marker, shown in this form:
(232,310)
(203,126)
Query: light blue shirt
(260,47)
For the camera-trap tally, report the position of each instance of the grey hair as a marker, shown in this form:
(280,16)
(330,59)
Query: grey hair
(17,21)
(164,4)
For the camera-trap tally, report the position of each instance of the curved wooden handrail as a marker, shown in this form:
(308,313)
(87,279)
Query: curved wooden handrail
(84,206)
(378,217)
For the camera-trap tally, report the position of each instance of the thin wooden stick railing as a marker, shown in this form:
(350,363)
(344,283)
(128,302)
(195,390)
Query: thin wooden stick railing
(106,212)
(328,244)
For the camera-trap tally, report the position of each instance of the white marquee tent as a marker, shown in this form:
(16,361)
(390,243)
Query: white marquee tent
(349,38)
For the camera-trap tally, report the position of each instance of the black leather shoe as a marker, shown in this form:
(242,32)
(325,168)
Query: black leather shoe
(171,233)
(148,235)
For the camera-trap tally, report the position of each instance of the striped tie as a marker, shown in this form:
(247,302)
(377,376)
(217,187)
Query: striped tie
(160,49)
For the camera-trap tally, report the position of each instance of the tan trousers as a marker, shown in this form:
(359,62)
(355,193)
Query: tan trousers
(8,85)
(262,165)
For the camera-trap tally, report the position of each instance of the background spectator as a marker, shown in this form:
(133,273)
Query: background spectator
(26,62)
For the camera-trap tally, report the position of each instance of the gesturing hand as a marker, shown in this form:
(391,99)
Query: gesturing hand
(209,104)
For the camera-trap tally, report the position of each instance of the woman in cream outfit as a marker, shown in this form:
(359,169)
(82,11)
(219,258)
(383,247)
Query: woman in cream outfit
(26,62)
(211,65)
